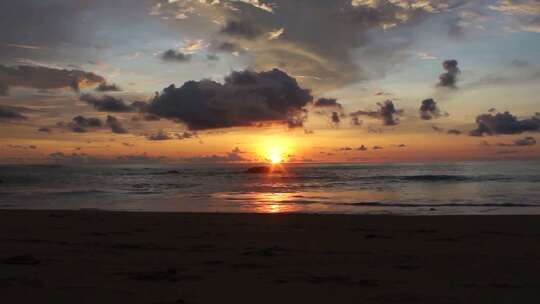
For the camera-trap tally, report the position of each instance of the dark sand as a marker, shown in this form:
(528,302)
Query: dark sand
(106,257)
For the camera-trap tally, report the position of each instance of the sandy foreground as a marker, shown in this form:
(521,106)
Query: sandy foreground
(108,257)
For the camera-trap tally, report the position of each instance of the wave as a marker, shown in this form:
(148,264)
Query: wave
(409,205)
(78,192)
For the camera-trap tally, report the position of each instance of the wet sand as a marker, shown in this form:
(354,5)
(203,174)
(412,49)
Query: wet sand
(109,257)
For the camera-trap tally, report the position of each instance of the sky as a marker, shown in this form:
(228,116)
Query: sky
(85,81)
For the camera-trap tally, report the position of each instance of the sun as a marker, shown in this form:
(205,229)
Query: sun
(275,150)
(275,154)
(275,158)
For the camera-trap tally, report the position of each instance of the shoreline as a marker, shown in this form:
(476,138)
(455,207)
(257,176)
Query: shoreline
(94,256)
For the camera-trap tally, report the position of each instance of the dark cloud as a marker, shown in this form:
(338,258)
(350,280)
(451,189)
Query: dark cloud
(81,124)
(504,123)
(377,148)
(175,56)
(454,132)
(40,77)
(106,103)
(449,79)
(237,150)
(10,113)
(335,118)
(25,147)
(4,90)
(226,47)
(429,110)
(246,98)
(345,149)
(527,141)
(115,125)
(387,112)
(355,121)
(159,136)
(242,28)
(327,103)
(522,142)
(45,130)
(105,87)
(362,148)
(162,135)
(329,106)
(186,135)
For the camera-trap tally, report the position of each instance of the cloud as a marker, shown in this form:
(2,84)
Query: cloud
(454,132)
(275,34)
(386,113)
(527,141)
(175,56)
(449,79)
(362,148)
(107,103)
(232,156)
(525,14)
(115,125)
(237,150)
(347,40)
(10,113)
(504,123)
(377,148)
(162,135)
(258,4)
(81,124)
(242,29)
(329,106)
(226,47)
(40,77)
(335,118)
(159,136)
(522,142)
(105,87)
(327,103)
(24,147)
(246,98)
(429,110)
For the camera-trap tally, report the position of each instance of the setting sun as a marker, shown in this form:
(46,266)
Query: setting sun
(275,150)
(275,158)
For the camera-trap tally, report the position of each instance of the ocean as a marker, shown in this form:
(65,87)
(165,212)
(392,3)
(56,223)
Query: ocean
(484,187)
